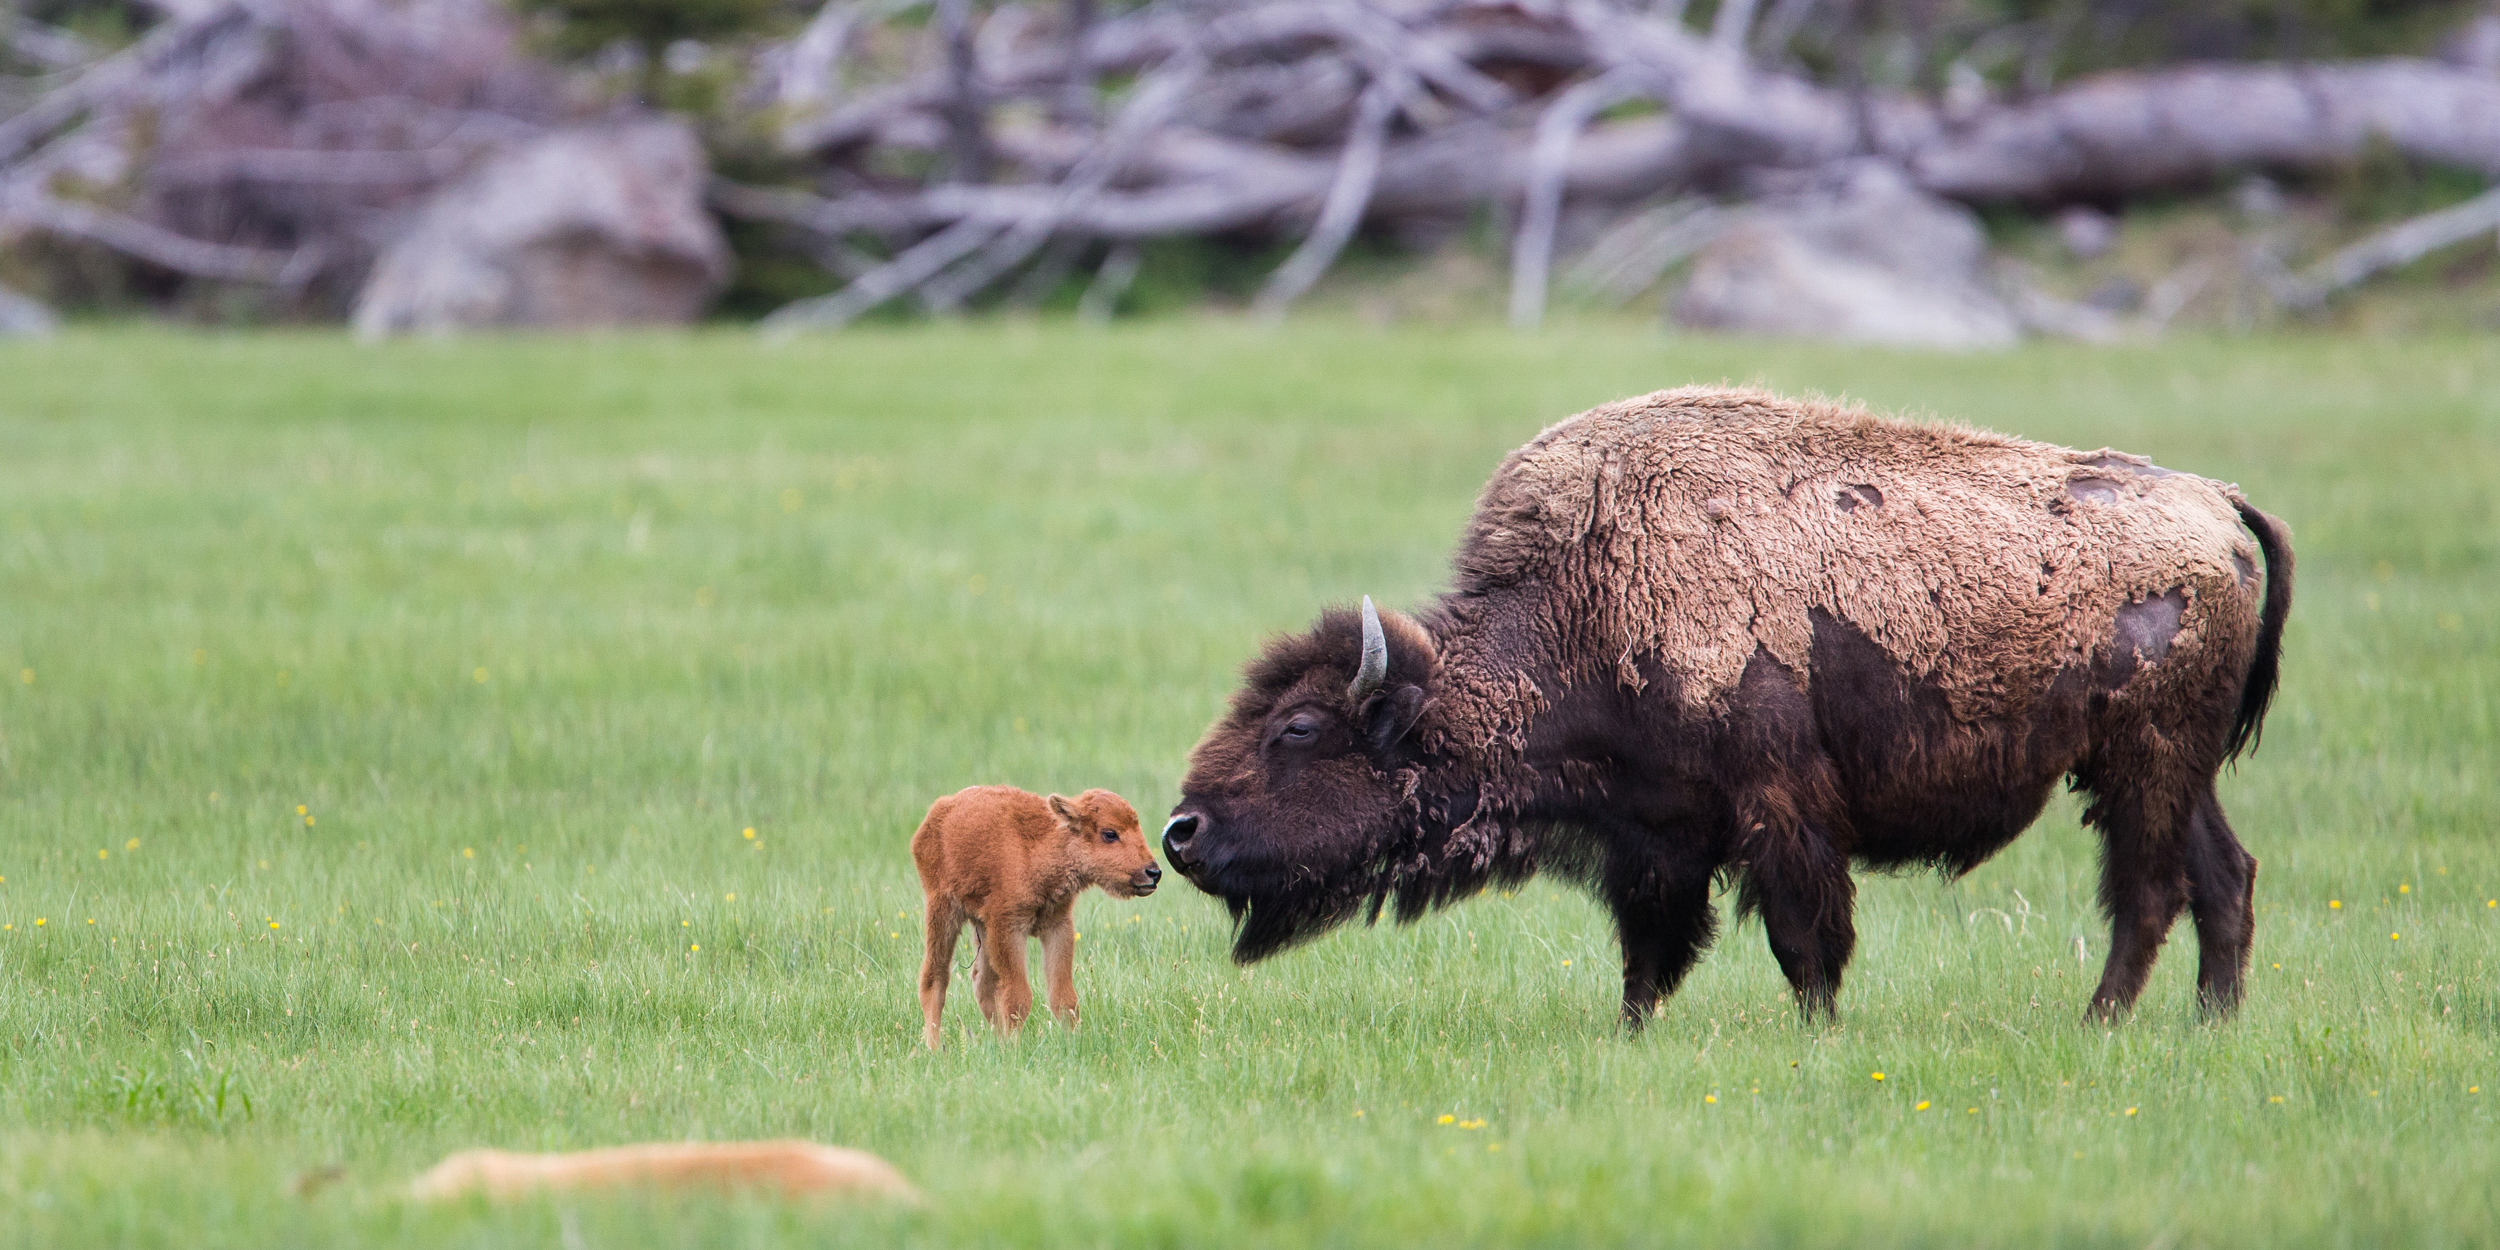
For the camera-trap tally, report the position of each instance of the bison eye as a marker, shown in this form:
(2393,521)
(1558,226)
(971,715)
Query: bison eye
(1110,835)
(1298,730)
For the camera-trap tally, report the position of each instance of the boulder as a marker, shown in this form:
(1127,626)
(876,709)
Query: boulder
(1865,258)
(578,228)
(21,317)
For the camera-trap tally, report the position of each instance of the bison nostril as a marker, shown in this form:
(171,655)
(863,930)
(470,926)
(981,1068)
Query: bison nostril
(1153,874)
(1178,833)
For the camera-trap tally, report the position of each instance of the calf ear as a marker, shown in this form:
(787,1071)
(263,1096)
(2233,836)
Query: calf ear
(1388,716)
(1059,807)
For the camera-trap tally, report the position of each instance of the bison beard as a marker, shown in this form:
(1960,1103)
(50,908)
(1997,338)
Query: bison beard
(1718,635)
(1440,855)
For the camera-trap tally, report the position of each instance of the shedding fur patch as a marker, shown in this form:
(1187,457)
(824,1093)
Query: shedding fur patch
(1696,527)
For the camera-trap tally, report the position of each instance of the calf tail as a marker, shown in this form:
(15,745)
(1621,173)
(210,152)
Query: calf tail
(2266,668)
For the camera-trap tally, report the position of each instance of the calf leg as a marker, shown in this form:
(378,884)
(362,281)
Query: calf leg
(984,978)
(1011,995)
(1663,918)
(937,963)
(1058,934)
(2222,889)
(2143,887)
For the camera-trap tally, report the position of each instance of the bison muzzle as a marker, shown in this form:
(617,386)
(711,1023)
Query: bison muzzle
(1720,634)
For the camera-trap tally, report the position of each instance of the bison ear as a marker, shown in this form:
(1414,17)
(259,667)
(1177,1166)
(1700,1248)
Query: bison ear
(1389,715)
(1059,807)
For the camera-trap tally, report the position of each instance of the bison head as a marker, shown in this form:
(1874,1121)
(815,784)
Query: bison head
(1308,798)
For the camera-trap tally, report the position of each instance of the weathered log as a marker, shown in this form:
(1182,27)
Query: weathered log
(2122,135)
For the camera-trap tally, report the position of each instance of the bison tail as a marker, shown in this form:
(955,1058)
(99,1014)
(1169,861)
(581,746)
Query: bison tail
(2266,668)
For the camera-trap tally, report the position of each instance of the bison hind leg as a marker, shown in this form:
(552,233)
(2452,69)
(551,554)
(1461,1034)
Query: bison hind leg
(2144,887)
(2222,888)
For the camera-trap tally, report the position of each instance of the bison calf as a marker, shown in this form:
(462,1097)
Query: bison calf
(1012,864)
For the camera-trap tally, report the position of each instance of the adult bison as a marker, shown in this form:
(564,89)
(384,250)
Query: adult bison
(1714,631)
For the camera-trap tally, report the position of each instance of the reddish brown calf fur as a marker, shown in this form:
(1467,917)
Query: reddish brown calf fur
(790,1168)
(1012,864)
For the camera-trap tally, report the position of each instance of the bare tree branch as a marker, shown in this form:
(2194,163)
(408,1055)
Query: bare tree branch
(2395,247)
(1357,172)
(913,267)
(1532,250)
(140,240)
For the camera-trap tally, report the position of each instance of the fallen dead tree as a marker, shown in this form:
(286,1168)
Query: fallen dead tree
(1310,118)
(267,142)
(947,152)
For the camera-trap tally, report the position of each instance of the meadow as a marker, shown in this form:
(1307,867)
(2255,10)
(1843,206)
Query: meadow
(432,745)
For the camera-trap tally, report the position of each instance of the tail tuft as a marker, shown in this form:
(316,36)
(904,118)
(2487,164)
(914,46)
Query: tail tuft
(2266,669)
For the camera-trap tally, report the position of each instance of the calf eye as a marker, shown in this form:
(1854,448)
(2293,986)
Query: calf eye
(1110,835)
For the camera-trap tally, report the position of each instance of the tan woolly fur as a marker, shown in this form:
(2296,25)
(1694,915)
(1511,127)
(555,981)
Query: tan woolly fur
(1718,520)
(789,1168)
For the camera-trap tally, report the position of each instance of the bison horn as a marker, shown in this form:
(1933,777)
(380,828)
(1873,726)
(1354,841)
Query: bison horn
(1375,669)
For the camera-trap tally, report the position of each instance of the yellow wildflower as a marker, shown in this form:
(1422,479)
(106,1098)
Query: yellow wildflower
(131,845)
(1446,1119)
(1710,1098)
(1877,1075)
(2130,1111)
(2335,904)
(750,833)
(1922,1106)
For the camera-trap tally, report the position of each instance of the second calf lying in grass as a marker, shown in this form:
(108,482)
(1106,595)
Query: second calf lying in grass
(1011,864)
(789,1168)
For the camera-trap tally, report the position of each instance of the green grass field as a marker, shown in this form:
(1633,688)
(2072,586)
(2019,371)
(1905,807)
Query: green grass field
(382,730)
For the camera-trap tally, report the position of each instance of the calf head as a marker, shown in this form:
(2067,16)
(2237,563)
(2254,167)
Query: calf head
(1106,843)
(1301,803)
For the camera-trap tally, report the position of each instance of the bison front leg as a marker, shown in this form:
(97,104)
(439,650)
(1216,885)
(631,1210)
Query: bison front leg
(1799,884)
(1664,919)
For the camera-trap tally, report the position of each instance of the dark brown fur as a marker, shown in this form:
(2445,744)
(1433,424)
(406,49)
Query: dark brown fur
(1011,864)
(1499,746)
